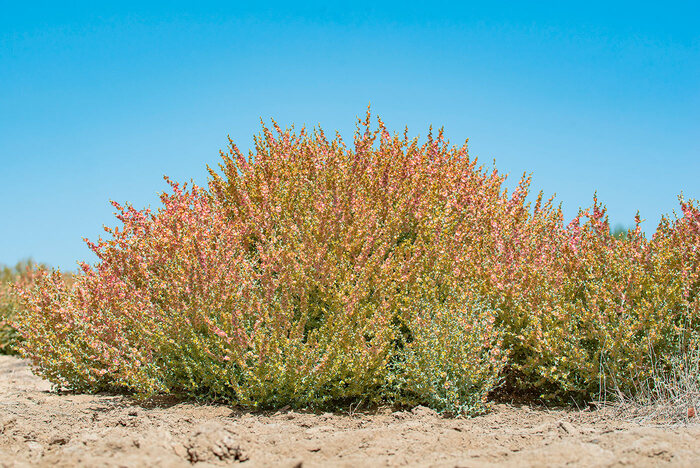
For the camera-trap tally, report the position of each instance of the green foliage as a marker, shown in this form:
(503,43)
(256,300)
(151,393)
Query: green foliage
(453,359)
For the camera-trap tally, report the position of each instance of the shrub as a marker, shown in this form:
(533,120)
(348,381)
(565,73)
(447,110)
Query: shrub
(22,274)
(443,366)
(593,309)
(308,274)
(313,273)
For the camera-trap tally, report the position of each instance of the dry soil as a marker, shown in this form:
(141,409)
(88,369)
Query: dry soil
(39,427)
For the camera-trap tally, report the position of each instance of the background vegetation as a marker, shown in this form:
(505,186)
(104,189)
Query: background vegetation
(22,275)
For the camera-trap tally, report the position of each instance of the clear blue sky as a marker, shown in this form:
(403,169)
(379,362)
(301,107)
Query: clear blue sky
(98,102)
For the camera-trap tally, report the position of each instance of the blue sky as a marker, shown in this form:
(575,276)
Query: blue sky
(98,102)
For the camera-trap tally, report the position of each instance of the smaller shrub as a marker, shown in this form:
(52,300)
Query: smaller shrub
(454,358)
(586,313)
(22,275)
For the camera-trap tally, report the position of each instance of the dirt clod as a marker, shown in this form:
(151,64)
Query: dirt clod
(212,442)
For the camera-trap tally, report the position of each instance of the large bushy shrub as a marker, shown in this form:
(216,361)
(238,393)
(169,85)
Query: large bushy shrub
(309,273)
(314,273)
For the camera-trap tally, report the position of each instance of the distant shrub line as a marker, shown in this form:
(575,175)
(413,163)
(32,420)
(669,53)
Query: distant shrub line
(314,273)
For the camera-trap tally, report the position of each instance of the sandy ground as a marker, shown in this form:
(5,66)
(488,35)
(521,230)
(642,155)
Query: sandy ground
(41,428)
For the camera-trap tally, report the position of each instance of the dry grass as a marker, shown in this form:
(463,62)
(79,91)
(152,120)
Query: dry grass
(670,397)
